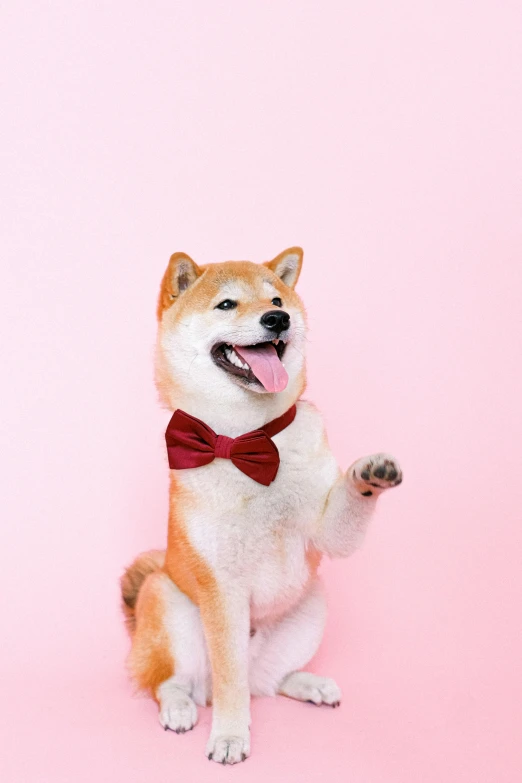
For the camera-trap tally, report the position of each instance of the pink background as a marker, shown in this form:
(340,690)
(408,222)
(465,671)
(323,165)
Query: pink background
(385,138)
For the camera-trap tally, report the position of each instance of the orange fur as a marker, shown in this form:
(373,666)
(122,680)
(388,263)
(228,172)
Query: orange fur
(277,262)
(209,280)
(151,661)
(240,557)
(169,289)
(182,563)
(195,578)
(313,559)
(132,581)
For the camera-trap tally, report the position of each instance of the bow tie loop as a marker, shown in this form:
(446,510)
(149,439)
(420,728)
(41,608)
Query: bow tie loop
(191,444)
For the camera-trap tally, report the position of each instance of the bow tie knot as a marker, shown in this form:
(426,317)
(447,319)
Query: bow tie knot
(223,447)
(191,444)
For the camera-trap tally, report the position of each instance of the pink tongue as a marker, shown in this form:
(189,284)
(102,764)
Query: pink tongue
(265,364)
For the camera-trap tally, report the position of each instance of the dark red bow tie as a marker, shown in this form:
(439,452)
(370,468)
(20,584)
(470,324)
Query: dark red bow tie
(191,444)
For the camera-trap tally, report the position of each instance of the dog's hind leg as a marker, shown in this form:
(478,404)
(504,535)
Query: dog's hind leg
(168,655)
(278,652)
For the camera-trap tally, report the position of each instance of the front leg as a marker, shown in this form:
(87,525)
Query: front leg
(351,503)
(225,613)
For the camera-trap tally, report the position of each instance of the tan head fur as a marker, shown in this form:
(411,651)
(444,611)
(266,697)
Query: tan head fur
(191,325)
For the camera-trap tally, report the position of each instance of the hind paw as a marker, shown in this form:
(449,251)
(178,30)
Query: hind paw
(305,686)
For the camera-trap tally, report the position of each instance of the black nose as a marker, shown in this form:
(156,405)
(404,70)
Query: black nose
(276,320)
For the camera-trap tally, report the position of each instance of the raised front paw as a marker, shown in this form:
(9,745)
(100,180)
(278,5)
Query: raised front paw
(229,749)
(375,473)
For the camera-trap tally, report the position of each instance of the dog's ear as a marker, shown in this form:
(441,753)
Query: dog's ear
(181,273)
(287,265)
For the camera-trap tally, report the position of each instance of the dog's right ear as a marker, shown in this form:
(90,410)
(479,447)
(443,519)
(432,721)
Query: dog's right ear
(181,273)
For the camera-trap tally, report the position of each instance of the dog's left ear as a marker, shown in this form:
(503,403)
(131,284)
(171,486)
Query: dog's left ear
(181,273)
(287,265)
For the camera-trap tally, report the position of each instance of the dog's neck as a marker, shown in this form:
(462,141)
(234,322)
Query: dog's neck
(247,412)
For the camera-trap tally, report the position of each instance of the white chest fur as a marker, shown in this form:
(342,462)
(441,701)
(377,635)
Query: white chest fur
(256,534)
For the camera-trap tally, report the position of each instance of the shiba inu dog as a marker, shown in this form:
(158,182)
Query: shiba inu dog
(234,606)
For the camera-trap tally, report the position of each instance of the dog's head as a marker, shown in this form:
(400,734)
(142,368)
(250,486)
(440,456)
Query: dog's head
(231,333)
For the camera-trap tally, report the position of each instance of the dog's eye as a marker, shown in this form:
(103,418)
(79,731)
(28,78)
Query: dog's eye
(226,304)
(277,302)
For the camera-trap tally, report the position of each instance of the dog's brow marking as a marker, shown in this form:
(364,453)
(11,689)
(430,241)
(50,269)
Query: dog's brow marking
(269,287)
(230,286)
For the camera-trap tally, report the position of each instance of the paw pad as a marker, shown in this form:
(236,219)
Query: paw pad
(375,473)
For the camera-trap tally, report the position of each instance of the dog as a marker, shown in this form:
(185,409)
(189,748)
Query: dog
(234,607)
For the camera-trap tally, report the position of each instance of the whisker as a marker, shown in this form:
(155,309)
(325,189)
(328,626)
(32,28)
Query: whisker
(191,363)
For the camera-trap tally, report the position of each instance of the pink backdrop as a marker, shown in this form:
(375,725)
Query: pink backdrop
(386,139)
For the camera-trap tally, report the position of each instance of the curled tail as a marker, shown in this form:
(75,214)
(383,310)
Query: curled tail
(132,580)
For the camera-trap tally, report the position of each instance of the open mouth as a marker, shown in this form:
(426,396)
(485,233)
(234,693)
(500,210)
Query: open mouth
(259,364)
